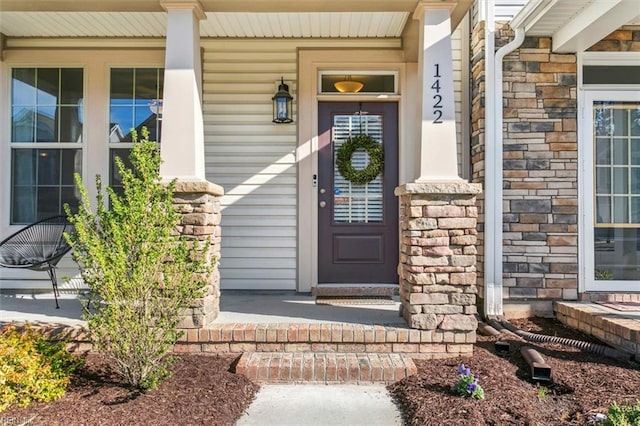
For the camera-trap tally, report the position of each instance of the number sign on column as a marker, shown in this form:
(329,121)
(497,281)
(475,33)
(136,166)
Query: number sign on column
(437,105)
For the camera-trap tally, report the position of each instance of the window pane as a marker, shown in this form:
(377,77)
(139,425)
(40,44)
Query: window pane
(620,122)
(23,86)
(46,124)
(71,86)
(603,210)
(620,181)
(39,177)
(48,81)
(48,202)
(48,167)
(70,126)
(23,124)
(146,87)
(122,86)
(23,164)
(23,204)
(635,151)
(71,197)
(620,210)
(603,180)
(620,151)
(121,123)
(617,254)
(603,151)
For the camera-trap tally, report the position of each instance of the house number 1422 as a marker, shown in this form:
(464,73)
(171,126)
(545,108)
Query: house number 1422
(437,98)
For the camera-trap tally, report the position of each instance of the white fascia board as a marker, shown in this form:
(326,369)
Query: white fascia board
(531,13)
(593,23)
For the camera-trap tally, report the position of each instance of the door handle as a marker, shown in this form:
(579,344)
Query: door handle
(323,204)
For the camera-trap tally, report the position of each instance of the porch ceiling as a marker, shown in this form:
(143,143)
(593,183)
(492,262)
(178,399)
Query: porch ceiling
(225,18)
(575,25)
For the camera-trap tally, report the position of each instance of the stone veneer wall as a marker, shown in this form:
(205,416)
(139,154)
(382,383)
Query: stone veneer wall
(540,178)
(438,261)
(199,205)
(539,167)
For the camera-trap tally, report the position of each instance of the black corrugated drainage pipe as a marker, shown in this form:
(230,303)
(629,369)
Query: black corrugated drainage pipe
(582,345)
(540,371)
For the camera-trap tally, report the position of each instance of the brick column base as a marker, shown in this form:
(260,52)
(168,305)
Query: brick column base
(199,205)
(438,258)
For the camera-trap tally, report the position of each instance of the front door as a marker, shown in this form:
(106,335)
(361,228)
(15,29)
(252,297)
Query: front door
(357,222)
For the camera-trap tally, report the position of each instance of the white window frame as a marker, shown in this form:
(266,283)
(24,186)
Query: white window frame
(10,145)
(588,94)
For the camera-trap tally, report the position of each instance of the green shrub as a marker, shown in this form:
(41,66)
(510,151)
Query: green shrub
(32,368)
(623,415)
(141,276)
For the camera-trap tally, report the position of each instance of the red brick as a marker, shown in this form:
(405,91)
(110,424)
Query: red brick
(336,333)
(387,369)
(342,367)
(286,366)
(227,332)
(252,367)
(369,335)
(325,332)
(263,368)
(274,366)
(332,368)
(238,333)
(292,333)
(314,332)
(324,347)
(261,333)
(282,332)
(272,333)
(307,367)
(376,368)
(406,348)
(353,367)
(250,332)
(270,347)
(203,335)
(347,333)
(215,348)
(319,369)
(364,365)
(351,347)
(296,367)
(379,347)
(241,347)
(303,333)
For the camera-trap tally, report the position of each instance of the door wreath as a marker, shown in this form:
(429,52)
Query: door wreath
(345,153)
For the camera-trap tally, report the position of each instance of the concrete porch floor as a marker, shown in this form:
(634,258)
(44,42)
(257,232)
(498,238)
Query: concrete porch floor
(235,307)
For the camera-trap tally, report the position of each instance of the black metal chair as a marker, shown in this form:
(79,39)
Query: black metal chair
(38,247)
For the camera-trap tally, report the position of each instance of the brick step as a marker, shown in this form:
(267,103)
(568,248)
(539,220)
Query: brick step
(309,367)
(325,337)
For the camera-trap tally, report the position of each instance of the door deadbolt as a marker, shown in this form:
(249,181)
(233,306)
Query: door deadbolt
(322,190)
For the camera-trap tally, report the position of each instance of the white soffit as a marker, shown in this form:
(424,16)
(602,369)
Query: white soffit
(575,25)
(218,24)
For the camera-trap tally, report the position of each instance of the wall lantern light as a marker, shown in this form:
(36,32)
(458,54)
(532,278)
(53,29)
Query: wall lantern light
(282,104)
(156,108)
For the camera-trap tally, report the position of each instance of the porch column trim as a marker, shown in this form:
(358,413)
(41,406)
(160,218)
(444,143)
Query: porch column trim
(182,122)
(438,147)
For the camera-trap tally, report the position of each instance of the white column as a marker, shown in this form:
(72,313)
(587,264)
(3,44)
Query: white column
(438,146)
(182,147)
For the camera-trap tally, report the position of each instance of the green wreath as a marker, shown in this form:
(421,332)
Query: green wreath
(376,159)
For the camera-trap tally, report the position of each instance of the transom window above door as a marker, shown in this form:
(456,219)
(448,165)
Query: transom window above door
(364,82)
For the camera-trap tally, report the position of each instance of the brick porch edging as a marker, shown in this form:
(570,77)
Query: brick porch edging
(618,330)
(297,337)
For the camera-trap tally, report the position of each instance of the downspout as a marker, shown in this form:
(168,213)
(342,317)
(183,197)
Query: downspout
(493,164)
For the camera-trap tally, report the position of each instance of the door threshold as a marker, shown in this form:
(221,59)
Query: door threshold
(355,290)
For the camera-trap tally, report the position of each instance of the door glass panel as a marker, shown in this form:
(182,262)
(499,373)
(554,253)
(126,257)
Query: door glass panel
(354,203)
(617,185)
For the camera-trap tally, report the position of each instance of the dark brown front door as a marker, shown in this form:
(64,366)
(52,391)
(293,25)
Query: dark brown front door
(357,223)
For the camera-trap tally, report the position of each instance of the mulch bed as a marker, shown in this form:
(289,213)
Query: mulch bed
(583,384)
(202,390)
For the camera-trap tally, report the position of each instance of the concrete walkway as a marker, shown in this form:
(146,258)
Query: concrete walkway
(316,405)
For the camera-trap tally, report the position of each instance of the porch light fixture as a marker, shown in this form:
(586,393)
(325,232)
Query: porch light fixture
(282,104)
(348,85)
(156,107)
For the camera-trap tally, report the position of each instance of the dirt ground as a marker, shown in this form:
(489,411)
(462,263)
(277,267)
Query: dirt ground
(583,384)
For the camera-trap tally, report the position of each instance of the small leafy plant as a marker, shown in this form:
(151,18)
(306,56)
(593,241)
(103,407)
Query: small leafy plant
(623,415)
(32,368)
(543,392)
(467,383)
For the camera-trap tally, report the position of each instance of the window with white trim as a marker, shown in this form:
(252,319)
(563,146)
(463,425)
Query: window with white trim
(135,101)
(46,141)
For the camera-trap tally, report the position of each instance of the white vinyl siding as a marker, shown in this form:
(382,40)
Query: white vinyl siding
(504,10)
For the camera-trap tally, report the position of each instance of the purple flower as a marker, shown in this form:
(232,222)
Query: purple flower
(461,369)
(471,387)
